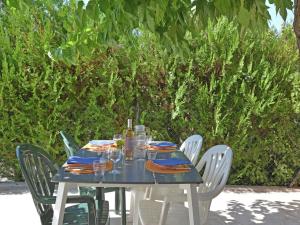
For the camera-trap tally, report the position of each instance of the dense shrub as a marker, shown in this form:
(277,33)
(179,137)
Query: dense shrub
(237,88)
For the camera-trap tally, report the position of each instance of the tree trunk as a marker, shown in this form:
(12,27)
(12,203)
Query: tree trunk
(295,179)
(297,22)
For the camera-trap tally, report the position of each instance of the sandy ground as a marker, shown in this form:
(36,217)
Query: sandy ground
(235,206)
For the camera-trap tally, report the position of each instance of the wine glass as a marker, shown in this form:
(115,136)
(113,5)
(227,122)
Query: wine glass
(115,156)
(118,139)
(151,155)
(99,167)
(148,136)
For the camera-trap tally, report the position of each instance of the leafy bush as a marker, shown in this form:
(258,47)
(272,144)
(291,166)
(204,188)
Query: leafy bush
(237,88)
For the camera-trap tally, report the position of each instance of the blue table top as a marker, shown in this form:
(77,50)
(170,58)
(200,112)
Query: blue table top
(132,172)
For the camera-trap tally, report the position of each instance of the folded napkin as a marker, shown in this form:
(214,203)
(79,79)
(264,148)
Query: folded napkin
(163,144)
(101,142)
(171,162)
(81,160)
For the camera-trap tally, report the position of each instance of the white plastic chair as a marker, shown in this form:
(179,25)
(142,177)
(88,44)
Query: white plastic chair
(216,163)
(191,147)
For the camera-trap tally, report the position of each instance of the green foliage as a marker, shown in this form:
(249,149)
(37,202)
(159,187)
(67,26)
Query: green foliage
(84,28)
(237,88)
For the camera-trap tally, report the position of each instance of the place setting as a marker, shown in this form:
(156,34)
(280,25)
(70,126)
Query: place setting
(87,165)
(99,145)
(104,162)
(161,146)
(168,166)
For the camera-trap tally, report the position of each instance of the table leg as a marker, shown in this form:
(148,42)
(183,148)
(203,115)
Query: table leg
(123,205)
(59,208)
(193,204)
(139,193)
(117,201)
(100,198)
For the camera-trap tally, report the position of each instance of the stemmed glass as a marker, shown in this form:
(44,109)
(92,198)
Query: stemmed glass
(117,138)
(99,167)
(119,141)
(114,155)
(148,135)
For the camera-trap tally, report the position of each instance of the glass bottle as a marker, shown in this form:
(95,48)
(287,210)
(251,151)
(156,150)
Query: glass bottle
(129,141)
(140,138)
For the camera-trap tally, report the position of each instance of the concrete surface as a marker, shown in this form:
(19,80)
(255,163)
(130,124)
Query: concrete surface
(235,205)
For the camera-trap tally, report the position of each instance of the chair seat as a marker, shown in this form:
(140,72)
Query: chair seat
(91,191)
(150,211)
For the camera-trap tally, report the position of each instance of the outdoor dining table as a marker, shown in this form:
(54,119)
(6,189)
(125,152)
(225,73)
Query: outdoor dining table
(133,174)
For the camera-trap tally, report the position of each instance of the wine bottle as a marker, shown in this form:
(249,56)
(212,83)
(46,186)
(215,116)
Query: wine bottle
(129,141)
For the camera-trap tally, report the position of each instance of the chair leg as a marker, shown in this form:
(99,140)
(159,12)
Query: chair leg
(164,213)
(138,195)
(132,202)
(204,211)
(117,201)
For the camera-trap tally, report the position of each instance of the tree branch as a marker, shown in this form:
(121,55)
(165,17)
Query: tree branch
(297,22)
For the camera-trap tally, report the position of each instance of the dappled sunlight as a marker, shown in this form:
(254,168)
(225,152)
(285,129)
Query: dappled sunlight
(234,208)
(258,209)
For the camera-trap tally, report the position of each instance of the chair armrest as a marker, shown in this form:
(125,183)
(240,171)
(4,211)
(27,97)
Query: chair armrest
(75,199)
(207,196)
(70,199)
(80,199)
(175,195)
(179,198)
(158,193)
(46,200)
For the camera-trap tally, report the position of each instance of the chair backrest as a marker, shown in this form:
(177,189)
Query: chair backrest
(216,163)
(38,169)
(191,147)
(70,145)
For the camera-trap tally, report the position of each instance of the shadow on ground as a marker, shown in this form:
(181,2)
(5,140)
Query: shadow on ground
(11,188)
(259,212)
(245,208)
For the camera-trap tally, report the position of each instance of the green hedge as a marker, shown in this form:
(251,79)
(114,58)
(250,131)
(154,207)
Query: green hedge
(238,88)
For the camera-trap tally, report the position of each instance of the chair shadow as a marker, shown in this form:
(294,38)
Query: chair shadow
(19,188)
(259,212)
(11,188)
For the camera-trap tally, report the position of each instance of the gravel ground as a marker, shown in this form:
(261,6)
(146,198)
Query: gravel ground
(235,206)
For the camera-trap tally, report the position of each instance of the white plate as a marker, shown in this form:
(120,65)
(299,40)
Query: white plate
(155,143)
(101,142)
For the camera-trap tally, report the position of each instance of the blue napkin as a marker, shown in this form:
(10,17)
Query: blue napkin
(81,160)
(171,162)
(163,144)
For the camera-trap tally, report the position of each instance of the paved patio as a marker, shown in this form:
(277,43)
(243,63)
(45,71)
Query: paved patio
(235,206)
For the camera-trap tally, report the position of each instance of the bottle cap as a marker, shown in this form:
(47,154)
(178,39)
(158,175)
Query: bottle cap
(129,123)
